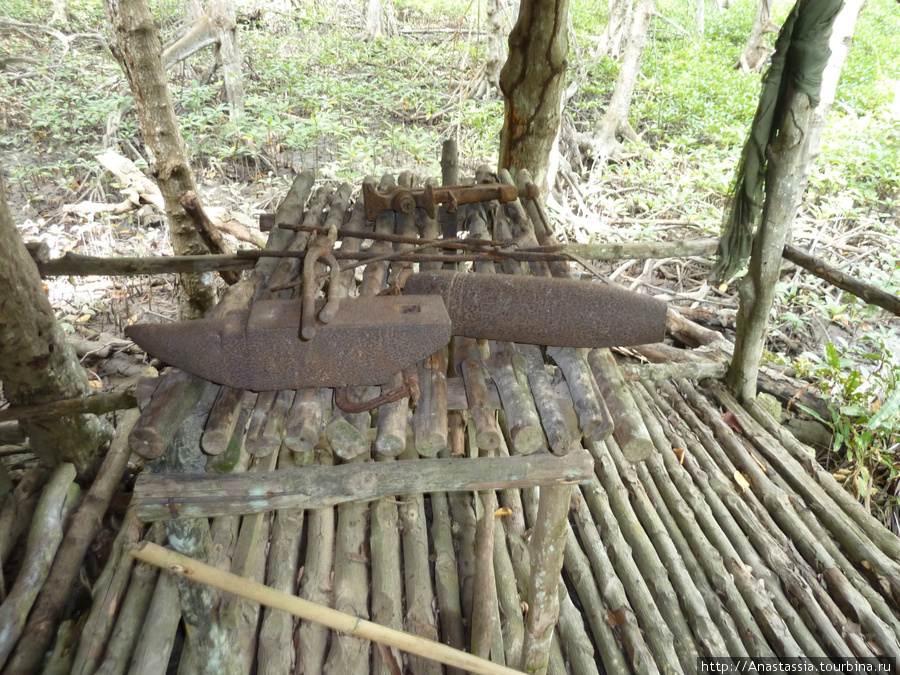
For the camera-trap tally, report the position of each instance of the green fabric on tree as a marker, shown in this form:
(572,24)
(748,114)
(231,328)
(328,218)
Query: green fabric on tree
(801,54)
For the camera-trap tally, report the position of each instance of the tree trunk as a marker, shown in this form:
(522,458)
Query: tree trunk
(495,53)
(755,50)
(61,15)
(791,160)
(532,81)
(216,26)
(138,50)
(37,365)
(373,20)
(614,123)
(614,34)
(700,18)
(224,20)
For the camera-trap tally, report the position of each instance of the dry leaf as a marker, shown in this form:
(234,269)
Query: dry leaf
(616,618)
(504,511)
(679,454)
(758,463)
(741,480)
(95,384)
(732,422)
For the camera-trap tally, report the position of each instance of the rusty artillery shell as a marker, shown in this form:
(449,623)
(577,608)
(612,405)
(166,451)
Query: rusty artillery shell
(366,343)
(543,310)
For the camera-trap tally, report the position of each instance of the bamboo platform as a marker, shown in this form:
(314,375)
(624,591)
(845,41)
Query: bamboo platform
(725,539)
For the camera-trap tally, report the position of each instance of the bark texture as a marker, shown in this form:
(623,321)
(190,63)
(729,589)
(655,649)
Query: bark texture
(790,163)
(753,57)
(496,29)
(215,26)
(613,37)
(138,49)
(614,126)
(37,365)
(533,80)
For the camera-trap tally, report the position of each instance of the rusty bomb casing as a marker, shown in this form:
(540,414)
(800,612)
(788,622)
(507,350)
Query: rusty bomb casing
(367,342)
(543,310)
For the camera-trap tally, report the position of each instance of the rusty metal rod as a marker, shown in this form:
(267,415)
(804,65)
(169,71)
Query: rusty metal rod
(496,255)
(475,245)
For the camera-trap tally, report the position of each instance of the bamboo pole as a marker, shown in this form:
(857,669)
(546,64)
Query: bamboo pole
(201,573)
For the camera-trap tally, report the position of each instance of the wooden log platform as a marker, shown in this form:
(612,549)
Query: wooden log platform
(540,511)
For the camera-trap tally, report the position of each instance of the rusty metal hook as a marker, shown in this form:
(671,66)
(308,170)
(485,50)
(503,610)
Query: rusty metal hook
(409,388)
(308,310)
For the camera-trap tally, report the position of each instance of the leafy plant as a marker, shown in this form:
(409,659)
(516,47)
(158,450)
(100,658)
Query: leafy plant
(862,388)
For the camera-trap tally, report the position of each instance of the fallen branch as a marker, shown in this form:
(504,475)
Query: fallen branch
(173,496)
(862,290)
(76,264)
(98,404)
(338,621)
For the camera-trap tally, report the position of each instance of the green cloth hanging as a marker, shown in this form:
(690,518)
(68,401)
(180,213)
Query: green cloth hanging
(801,54)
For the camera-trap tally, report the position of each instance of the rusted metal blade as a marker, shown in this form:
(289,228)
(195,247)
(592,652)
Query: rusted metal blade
(366,343)
(543,310)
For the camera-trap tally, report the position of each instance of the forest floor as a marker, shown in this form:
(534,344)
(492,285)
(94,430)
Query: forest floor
(318,97)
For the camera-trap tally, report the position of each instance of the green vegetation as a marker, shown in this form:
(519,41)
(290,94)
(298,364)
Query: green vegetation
(319,97)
